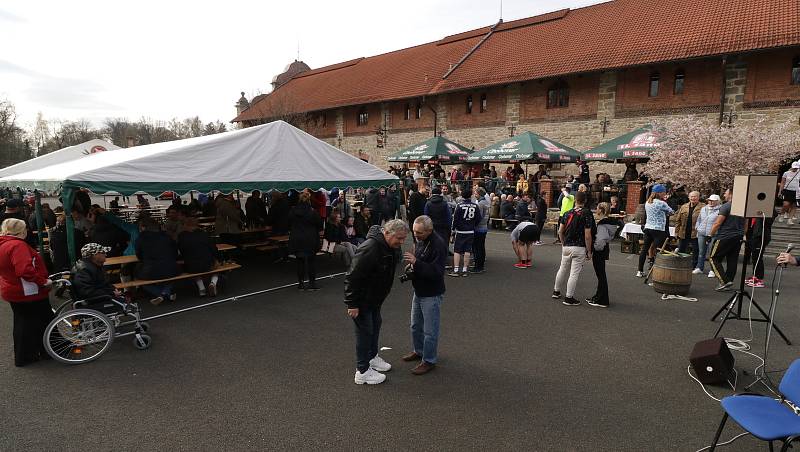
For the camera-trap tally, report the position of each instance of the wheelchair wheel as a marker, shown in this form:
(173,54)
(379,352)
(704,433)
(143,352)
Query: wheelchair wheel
(145,327)
(142,341)
(79,336)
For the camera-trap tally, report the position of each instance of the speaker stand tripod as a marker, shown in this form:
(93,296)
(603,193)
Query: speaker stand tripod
(736,300)
(761,375)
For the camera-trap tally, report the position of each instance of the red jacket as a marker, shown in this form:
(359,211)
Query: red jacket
(19,260)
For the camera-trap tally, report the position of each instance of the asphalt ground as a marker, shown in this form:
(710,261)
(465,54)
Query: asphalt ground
(518,370)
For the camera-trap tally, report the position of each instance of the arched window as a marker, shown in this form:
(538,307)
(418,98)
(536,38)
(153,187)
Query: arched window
(419,110)
(655,77)
(407,114)
(483,102)
(469,105)
(363,116)
(796,71)
(677,87)
(558,95)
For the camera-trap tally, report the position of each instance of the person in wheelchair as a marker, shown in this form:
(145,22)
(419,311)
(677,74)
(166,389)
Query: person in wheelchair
(89,281)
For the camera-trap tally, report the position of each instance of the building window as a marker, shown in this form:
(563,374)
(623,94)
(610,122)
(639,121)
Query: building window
(363,117)
(654,78)
(407,114)
(558,95)
(680,76)
(419,110)
(796,71)
(469,105)
(483,102)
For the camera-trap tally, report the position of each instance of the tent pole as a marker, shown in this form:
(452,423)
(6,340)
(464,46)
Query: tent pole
(68,196)
(39,221)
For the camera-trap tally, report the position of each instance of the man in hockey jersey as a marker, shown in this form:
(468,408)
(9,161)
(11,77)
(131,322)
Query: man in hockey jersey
(466,217)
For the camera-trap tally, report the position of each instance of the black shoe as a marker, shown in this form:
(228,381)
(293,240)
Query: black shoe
(312,287)
(464,274)
(724,287)
(301,286)
(569,301)
(556,294)
(454,274)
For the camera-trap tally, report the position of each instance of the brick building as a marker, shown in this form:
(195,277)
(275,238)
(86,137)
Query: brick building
(570,75)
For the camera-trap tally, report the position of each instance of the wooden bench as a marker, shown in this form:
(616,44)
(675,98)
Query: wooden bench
(146,282)
(132,259)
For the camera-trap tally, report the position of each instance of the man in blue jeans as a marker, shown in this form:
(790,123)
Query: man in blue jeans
(426,271)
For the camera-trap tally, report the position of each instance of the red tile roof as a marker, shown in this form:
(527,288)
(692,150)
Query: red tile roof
(610,35)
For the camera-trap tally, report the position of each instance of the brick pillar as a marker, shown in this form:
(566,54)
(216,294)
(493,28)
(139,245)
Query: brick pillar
(546,188)
(632,202)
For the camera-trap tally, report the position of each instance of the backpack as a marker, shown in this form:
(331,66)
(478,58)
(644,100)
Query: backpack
(574,225)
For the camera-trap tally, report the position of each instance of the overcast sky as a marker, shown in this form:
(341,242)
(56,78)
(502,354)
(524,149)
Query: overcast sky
(169,58)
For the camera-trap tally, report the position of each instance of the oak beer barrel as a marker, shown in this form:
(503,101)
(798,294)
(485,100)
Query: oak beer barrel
(672,274)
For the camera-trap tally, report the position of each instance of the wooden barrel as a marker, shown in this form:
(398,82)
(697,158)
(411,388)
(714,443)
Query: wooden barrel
(672,275)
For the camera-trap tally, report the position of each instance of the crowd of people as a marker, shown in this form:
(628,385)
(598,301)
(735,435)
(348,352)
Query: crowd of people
(366,228)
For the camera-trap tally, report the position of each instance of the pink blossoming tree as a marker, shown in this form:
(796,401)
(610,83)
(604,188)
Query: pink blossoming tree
(704,156)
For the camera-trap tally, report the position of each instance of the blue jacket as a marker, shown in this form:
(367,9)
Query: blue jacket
(439,211)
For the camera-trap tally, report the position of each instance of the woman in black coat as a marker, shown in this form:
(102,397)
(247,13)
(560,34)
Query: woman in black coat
(304,242)
(199,255)
(158,259)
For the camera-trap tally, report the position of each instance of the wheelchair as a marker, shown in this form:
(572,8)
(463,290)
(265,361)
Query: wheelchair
(83,330)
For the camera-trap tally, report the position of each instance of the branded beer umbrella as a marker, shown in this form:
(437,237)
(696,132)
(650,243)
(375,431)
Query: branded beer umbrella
(634,145)
(526,146)
(437,149)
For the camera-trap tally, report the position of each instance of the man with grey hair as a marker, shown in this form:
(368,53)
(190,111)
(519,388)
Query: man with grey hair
(686,226)
(366,285)
(425,269)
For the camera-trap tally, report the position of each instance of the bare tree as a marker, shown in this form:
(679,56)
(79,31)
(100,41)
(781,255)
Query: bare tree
(14,145)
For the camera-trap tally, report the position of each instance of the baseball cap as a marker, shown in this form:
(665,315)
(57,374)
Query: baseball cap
(436,191)
(713,198)
(90,249)
(659,188)
(796,164)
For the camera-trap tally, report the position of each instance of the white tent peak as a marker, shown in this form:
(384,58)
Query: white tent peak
(270,156)
(66,154)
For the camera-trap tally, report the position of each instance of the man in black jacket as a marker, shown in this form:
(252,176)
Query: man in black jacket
(90,280)
(416,203)
(366,285)
(426,268)
(439,211)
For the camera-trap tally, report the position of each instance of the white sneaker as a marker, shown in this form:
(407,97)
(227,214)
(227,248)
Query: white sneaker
(711,274)
(790,221)
(782,218)
(370,377)
(639,274)
(379,364)
(697,271)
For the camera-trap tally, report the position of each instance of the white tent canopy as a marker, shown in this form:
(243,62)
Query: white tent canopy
(60,156)
(274,156)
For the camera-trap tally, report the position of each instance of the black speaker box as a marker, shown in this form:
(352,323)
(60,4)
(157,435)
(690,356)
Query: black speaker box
(712,361)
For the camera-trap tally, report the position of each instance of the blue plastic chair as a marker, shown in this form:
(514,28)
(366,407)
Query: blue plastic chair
(764,417)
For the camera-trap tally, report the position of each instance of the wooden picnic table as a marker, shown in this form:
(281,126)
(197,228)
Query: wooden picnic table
(121,260)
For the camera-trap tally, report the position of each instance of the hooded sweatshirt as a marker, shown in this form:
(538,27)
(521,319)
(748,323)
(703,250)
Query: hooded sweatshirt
(439,211)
